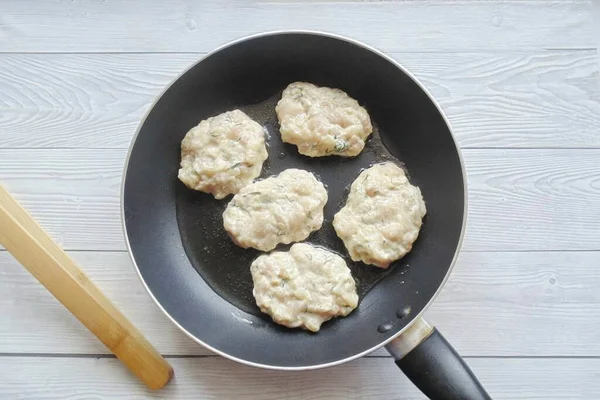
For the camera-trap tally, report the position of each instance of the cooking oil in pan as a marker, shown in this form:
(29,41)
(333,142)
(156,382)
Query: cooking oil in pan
(224,265)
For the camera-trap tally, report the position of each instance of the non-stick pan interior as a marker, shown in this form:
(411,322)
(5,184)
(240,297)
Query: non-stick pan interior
(202,279)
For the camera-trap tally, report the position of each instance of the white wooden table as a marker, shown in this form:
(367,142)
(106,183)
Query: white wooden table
(519,82)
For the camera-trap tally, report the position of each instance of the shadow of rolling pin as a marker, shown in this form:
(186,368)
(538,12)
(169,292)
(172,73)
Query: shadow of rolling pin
(49,264)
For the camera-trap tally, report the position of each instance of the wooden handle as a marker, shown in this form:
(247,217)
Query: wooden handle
(50,265)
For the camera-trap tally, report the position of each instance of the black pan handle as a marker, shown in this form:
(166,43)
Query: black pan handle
(433,365)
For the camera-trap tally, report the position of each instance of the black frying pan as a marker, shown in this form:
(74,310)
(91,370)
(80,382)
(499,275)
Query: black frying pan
(202,281)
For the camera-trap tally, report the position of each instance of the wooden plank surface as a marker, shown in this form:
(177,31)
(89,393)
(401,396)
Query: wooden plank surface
(519,199)
(519,82)
(67,282)
(514,304)
(216,378)
(184,26)
(537,99)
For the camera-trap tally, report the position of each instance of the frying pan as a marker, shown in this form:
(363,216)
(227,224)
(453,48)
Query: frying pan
(202,281)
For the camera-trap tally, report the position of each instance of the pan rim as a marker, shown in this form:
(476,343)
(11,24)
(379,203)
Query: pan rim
(357,355)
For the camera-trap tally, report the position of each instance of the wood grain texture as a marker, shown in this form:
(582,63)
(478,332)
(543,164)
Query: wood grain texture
(519,199)
(65,280)
(214,378)
(538,99)
(511,304)
(508,74)
(74,195)
(178,26)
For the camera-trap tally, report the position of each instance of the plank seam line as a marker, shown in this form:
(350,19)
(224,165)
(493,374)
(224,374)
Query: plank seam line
(184,356)
(569,49)
(593,148)
(425,51)
(91,355)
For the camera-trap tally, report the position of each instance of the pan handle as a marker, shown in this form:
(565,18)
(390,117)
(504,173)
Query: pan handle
(432,364)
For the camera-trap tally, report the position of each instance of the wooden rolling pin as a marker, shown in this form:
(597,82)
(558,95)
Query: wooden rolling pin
(44,259)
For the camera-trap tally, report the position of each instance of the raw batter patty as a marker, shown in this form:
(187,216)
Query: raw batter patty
(322,121)
(382,216)
(303,287)
(280,209)
(222,154)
